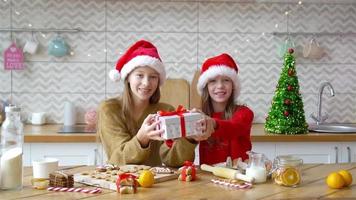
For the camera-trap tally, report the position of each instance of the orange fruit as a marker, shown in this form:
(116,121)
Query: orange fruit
(277,179)
(146,178)
(290,177)
(335,180)
(276,175)
(346,175)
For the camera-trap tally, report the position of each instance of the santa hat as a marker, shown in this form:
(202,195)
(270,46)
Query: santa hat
(140,54)
(219,65)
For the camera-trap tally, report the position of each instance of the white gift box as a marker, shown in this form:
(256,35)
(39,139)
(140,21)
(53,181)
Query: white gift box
(172,125)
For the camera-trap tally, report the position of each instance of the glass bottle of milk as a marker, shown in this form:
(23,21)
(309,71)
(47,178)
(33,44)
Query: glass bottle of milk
(256,167)
(11,166)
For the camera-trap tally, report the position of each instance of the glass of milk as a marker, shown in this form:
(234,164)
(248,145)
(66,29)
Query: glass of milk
(256,167)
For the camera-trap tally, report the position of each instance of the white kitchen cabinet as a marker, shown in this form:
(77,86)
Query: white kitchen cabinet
(311,152)
(27,154)
(319,152)
(268,148)
(67,153)
(100,157)
(348,150)
(93,153)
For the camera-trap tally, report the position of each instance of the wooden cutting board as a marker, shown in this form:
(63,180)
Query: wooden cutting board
(195,99)
(111,184)
(175,92)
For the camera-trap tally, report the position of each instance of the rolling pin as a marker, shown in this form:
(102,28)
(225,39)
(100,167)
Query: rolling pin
(227,173)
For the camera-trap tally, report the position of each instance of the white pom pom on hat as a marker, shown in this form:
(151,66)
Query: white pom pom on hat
(222,64)
(114,75)
(140,54)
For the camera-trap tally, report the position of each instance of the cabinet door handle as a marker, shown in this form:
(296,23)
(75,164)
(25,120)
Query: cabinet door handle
(95,157)
(336,154)
(348,154)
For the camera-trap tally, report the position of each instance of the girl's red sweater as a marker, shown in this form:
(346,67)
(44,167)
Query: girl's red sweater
(231,137)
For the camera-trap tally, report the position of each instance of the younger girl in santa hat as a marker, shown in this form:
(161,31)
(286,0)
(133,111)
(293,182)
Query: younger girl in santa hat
(126,125)
(219,88)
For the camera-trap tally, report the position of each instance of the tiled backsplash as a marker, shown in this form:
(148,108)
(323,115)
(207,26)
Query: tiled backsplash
(185,32)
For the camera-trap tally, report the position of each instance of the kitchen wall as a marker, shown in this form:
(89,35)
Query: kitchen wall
(185,32)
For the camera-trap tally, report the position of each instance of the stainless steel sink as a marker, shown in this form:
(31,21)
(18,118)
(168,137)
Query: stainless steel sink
(333,128)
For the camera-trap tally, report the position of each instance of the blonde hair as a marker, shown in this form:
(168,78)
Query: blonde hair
(207,106)
(127,105)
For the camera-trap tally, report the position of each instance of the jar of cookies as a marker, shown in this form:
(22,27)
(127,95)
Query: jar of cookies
(287,170)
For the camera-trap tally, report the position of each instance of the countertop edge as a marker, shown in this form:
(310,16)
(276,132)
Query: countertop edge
(48,134)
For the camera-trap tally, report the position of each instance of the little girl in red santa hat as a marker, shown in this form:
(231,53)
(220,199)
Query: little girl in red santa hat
(126,125)
(219,88)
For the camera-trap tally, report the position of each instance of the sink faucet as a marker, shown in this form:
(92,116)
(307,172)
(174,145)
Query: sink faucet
(319,118)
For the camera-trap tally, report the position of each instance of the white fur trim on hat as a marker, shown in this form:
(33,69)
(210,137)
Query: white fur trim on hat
(141,61)
(216,70)
(114,75)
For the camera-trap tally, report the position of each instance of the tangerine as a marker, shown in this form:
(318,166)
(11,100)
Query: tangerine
(346,175)
(146,178)
(290,177)
(335,180)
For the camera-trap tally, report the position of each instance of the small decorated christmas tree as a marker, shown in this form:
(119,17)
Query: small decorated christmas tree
(286,115)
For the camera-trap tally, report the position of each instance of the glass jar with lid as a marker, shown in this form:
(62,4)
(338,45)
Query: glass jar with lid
(287,170)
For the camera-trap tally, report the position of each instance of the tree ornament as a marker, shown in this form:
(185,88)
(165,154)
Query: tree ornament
(286,113)
(290,72)
(287,101)
(290,88)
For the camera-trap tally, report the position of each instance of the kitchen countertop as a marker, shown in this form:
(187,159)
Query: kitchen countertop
(312,187)
(48,133)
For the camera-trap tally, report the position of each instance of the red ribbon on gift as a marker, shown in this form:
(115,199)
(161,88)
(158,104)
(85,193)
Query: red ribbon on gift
(180,111)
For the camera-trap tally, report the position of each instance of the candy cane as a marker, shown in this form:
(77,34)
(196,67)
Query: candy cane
(244,185)
(83,190)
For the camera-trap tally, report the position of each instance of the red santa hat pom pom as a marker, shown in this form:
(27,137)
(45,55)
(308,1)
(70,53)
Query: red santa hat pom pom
(114,75)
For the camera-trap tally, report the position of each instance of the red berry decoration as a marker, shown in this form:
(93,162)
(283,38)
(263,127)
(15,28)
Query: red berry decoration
(287,101)
(286,113)
(290,50)
(290,88)
(290,72)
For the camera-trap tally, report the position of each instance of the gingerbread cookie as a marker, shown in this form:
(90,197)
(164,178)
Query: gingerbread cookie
(161,170)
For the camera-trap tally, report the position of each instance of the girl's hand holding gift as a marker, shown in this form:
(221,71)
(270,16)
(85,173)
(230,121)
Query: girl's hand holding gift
(205,126)
(148,131)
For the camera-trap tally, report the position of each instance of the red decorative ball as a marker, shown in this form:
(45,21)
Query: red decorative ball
(290,50)
(287,101)
(290,88)
(290,72)
(286,113)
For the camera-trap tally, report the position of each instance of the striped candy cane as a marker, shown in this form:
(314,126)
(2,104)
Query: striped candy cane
(245,185)
(83,190)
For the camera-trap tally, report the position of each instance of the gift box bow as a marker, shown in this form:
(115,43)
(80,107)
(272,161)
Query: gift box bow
(179,111)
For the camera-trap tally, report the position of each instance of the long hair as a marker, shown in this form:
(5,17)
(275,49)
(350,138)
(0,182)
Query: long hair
(127,105)
(207,106)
